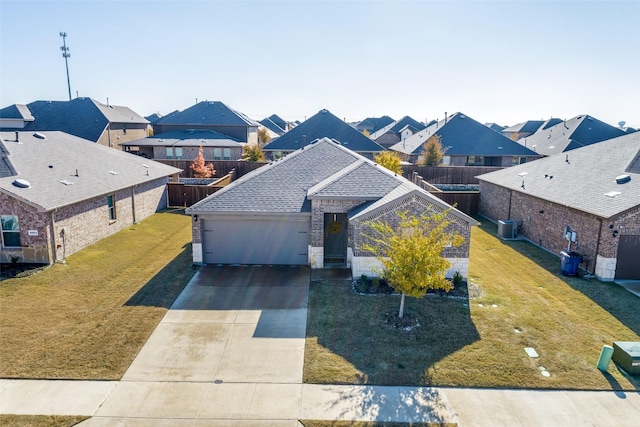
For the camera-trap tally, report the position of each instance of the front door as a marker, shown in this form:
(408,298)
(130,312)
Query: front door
(335,240)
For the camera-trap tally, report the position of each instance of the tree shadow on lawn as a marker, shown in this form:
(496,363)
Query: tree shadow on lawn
(352,326)
(619,302)
(165,287)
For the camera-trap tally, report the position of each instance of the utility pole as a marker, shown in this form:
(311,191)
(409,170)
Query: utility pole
(66,55)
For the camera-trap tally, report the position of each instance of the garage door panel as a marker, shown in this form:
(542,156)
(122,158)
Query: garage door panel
(627,265)
(274,241)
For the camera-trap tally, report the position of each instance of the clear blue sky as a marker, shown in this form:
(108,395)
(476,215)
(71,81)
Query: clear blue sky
(503,62)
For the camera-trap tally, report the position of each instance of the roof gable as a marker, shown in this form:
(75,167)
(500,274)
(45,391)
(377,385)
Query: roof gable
(363,180)
(273,127)
(16,111)
(85,167)
(207,113)
(323,125)
(581,178)
(463,136)
(398,126)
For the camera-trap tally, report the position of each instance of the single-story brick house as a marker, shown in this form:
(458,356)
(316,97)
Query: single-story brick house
(59,194)
(185,144)
(593,191)
(312,208)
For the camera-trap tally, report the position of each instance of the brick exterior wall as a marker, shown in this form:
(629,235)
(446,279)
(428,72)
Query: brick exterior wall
(319,208)
(543,222)
(83,223)
(34,248)
(115,135)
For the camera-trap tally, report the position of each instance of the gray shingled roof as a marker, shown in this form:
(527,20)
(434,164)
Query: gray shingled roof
(83,117)
(44,163)
(463,136)
(362,180)
(16,111)
(207,113)
(578,132)
(581,178)
(323,125)
(280,187)
(323,169)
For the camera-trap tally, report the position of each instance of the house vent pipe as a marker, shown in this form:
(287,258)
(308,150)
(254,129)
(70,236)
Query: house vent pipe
(17,136)
(445,117)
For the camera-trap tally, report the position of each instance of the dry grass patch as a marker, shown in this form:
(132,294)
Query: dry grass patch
(479,342)
(88,318)
(41,420)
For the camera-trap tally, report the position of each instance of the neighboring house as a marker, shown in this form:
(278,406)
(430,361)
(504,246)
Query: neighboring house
(267,123)
(108,125)
(15,116)
(523,129)
(185,144)
(466,143)
(312,208)
(565,136)
(594,191)
(495,126)
(321,125)
(397,131)
(59,194)
(373,124)
(281,123)
(210,115)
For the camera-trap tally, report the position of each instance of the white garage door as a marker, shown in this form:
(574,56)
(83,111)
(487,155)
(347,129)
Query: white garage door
(256,240)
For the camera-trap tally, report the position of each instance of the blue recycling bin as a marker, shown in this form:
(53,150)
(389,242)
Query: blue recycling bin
(569,262)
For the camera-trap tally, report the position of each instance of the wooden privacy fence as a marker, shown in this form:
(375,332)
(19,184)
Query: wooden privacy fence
(222,167)
(185,195)
(448,174)
(465,201)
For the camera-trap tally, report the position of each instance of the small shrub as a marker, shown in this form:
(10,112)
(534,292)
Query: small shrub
(457,279)
(364,278)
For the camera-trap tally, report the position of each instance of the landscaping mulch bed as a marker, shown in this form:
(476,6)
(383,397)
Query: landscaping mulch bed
(8,271)
(375,286)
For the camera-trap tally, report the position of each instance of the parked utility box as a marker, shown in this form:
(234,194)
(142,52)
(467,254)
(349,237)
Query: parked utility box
(626,354)
(507,229)
(569,262)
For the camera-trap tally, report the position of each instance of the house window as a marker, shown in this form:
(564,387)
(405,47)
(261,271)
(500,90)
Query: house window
(475,161)
(217,154)
(518,160)
(169,153)
(10,231)
(111,206)
(446,160)
(178,153)
(226,152)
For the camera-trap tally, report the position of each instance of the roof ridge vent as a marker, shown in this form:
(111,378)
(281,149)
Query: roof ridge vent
(39,135)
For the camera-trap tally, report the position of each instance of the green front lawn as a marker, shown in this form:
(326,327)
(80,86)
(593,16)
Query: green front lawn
(478,342)
(88,318)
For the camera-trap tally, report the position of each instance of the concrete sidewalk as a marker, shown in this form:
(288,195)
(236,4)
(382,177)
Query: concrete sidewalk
(132,403)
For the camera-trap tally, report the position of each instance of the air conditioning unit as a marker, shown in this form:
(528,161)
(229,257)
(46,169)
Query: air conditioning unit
(507,229)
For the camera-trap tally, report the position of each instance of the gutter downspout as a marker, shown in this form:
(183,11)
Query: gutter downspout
(509,211)
(133,203)
(595,261)
(53,250)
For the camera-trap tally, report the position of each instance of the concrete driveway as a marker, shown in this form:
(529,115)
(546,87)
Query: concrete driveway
(239,324)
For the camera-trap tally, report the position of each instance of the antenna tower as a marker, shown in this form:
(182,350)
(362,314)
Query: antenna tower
(66,55)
